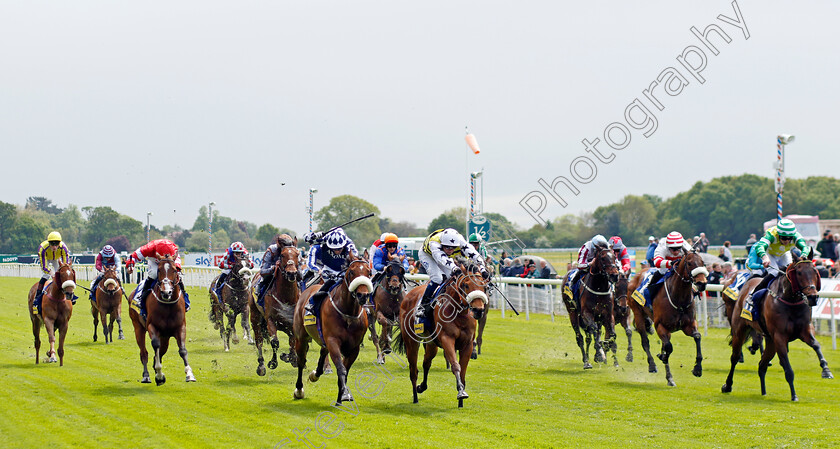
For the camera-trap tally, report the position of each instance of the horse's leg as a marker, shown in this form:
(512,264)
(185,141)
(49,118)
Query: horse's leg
(595,330)
(646,347)
(50,326)
(246,326)
(782,350)
(380,358)
(348,360)
(232,326)
(258,342)
(412,347)
(275,343)
(160,378)
(140,337)
(95,312)
(629,333)
(334,346)
(36,333)
(228,328)
(739,331)
(429,353)
(611,337)
(448,345)
(691,331)
(573,317)
(385,335)
(301,348)
(665,354)
(319,369)
(808,337)
(106,329)
(121,336)
(464,359)
(769,353)
(182,351)
(61,336)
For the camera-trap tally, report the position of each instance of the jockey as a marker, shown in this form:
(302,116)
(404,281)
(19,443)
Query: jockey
(389,250)
(620,253)
(439,248)
(328,258)
(671,248)
(106,258)
(774,250)
(478,243)
(52,252)
(269,260)
(236,252)
(375,245)
(152,252)
(586,253)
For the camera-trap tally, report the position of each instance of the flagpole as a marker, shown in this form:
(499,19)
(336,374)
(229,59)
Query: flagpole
(467,165)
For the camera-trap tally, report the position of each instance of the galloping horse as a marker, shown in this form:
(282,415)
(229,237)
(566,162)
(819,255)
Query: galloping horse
(729,304)
(673,309)
(234,301)
(386,307)
(56,308)
(278,312)
(342,326)
(108,296)
(479,336)
(783,316)
(621,312)
(464,299)
(165,319)
(596,306)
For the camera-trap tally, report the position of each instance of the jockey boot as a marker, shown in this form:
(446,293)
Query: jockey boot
(93,288)
(265,281)
(141,301)
(186,296)
(220,284)
(764,282)
(653,285)
(424,308)
(578,274)
(36,304)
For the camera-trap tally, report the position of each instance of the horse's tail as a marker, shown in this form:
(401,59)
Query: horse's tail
(397,341)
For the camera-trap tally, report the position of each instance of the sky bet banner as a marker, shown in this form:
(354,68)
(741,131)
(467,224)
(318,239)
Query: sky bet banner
(204,259)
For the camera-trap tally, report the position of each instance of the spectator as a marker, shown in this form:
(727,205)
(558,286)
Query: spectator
(726,251)
(704,243)
(516,268)
(652,244)
(695,243)
(722,254)
(750,242)
(545,272)
(715,277)
(503,256)
(727,269)
(505,269)
(827,246)
(530,270)
(491,265)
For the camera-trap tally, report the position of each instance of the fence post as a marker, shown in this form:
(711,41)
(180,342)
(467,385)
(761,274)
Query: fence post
(833,325)
(502,300)
(705,314)
(527,306)
(551,301)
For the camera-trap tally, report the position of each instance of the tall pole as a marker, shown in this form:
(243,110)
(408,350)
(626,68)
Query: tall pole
(148,226)
(312,193)
(781,141)
(210,231)
(472,196)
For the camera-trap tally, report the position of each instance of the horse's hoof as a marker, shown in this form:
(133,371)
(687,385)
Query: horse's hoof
(421,388)
(94,337)
(794,398)
(387,350)
(726,388)
(189,373)
(615,365)
(313,376)
(191,378)
(121,337)
(474,355)
(462,395)
(671,383)
(272,364)
(826,374)
(227,349)
(160,381)
(52,359)
(629,357)
(328,370)
(380,360)
(661,357)
(261,370)
(652,369)
(697,371)
(346,397)
(587,365)
(299,393)
(145,380)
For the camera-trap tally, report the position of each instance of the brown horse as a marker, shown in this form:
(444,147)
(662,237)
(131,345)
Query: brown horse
(278,312)
(56,309)
(596,306)
(343,326)
(729,301)
(673,309)
(165,319)
(108,296)
(234,301)
(464,299)
(621,312)
(783,316)
(479,335)
(387,297)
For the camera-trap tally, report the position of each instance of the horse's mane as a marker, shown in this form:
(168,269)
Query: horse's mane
(284,240)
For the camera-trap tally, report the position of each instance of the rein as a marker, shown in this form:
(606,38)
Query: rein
(794,284)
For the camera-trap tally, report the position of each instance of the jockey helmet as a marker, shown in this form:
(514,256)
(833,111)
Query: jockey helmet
(390,237)
(382,237)
(237,247)
(786,228)
(336,239)
(450,237)
(165,248)
(474,238)
(54,237)
(616,243)
(674,240)
(599,241)
(107,251)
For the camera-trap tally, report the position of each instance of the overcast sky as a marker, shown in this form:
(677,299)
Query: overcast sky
(166,106)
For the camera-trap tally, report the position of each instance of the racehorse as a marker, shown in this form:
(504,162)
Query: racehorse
(621,312)
(278,312)
(234,301)
(387,296)
(165,318)
(595,307)
(729,305)
(479,336)
(462,301)
(673,309)
(56,309)
(343,323)
(108,296)
(783,316)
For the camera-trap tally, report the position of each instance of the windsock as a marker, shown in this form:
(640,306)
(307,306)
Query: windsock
(472,143)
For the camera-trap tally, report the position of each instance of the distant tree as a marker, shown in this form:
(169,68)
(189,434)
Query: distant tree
(265,234)
(345,208)
(25,235)
(70,224)
(8,216)
(197,242)
(42,204)
(120,243)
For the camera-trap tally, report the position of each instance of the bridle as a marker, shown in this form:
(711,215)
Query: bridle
(677,269)
(796,290)
(602,272)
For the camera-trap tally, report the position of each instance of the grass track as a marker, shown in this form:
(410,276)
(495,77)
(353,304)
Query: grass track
(526,390)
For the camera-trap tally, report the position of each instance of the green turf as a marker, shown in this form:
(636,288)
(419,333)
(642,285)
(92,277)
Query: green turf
(528,389)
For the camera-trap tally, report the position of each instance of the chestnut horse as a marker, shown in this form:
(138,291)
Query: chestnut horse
(108,296)
(463,299)
(343,326)
(165,319)
(673,309)
(56,309)
(783,316)
(234,301)
(387,297)
(596,306)
(730,298)
(621,312)
(278,311)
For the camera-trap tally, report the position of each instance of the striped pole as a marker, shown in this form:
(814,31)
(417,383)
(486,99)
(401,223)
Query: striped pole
(311,206)
(779,177)
(472,196)
(210,232)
